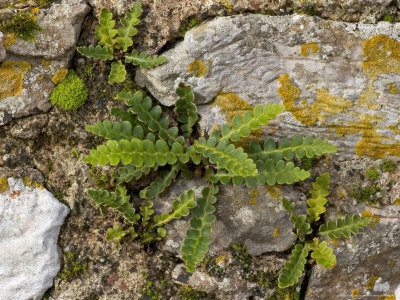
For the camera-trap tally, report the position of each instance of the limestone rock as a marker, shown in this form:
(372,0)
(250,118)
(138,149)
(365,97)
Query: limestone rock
(368,263)
(2,50)
(252,217)
(334,78)
(31,218)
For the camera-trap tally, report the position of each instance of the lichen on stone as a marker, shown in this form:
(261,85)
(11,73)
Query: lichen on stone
(12,75)
(22,24)
(198,68)
(4,186)
(309,48)
(59,76)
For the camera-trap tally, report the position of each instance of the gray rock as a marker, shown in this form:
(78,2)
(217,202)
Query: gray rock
(2,50)
(326,74)
(368,264)
(31,218)
(252,217)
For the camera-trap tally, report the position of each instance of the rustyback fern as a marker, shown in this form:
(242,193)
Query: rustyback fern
(294,267)
(344,227)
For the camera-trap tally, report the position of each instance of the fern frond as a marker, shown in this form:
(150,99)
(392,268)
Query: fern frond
(143,60)
(251,120)
(343,227)
(116,131)
(125,116)
(105,31)
(160,184)
(197,240)
(299,146)
(271,173)
(186,109)
(226,156)
(115,233)
(98,52)
(303,228)
(117,72)
(124,39)
(118,200)
(134,152)
(322,253)
(181,208)
(149,115)
(129,172)
(294,267)
(146,212)
(316,204)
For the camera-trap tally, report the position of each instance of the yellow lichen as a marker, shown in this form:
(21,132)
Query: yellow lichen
(375,219)
(40,78)
(220,259)
(309,48)
(253,201)
(334,242)
(254,193)
(12,75)
(392,88)
(389,297)
(28,182)
(4,186)
(46,62)
(397,201)
(371,282)
(59,76)
(354,293)
(9,39)
(198,68)
(275,191)
(35,10)
(227,4)
(276,232)
(370,258)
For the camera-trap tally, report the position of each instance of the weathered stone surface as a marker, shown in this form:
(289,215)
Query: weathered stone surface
(2,50)
(252,217)
(368,264)
(337,80)
(28,74)
(31,218)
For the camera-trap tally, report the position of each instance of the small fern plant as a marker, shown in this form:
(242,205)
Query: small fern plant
(318,250)
(145,141)
(113,43)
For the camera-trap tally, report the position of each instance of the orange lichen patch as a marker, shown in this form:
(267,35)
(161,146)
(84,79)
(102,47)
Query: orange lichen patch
(371,282)
(375,219)
(198,68)
(59,76)
(392,88)
(275,191)
(9,40)
(324,106)
(276,232)
(309,48)
(12,75)
(354,293)
(231,105)
(35,10)
(4,186)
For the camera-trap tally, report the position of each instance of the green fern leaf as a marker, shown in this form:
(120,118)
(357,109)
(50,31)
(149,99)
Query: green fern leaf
(299,146)
(294,267)
(135,151)
(303,228)
(146,212)
(226,156)
(271,173)
(105,31)
(251,120)
(103,53)
(186,109)
(322,253)
(197,240)
(117,72)
(129,172)
(115,233)
(125,116)
(316,204)
(128,29)
(116,130)
(181,208)
(118,200)
(343,227)
(143,60)
(160,184)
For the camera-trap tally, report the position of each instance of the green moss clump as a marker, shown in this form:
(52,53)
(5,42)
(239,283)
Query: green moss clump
(186,26)
(22,25)
(71,93)
(373,174)
(73,267)
(389,18)
(368,194)
(388,166)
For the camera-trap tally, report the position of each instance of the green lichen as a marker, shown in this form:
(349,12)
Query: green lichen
(373,174)
(71,93)
(22,25)
(388,166)
(73,267)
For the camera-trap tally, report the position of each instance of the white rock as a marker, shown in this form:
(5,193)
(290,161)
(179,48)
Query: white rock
(30,221)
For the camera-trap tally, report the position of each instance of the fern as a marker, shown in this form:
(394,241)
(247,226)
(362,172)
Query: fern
(143,60)
(117,73)
(105,31)
(303,228)
(186,110)
(316,204)
(146,212)
(160,184)
(115,233)
(116,130)
(197,240)
(124,39)
(287,149)
(129,172)
(322,253)
(98,52)
(343,227)
(118,200)
(294,267)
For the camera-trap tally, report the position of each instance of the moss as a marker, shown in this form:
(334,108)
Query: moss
(307,163)
(389,18)
(4,186)
(368,194)
(71,93)
(373,174)
(311,11)
(186,26)
(289,293)
(22,25)
(75,153)
(191,294)
(388,166)
(101,180)
(73,267)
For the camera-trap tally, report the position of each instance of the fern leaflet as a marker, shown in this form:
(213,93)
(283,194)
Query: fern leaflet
(294,267)
(98,52)
(160,184)
(116,130)
(117,72)
(146,212)
(303,228)
(316,204)
(143,60)
(124,39)
(130,172)
(186,109)
(105,31)
(322,253)
(343,227)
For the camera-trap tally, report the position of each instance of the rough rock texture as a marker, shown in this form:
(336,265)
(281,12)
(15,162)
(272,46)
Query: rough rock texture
(31,218)
(368,265)
(2,50)
(27,75)
(333,77)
